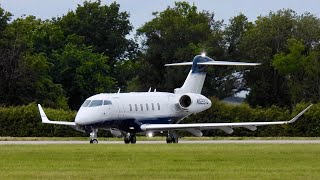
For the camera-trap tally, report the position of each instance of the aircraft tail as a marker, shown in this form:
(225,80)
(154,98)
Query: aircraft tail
(197,74)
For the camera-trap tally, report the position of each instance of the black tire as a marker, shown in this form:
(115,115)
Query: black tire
(169,140)
(91,141)
(126,140)
(174,140)
(94,141)
(133,139)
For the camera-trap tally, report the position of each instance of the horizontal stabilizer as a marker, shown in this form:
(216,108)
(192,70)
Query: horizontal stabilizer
(228,63)
(45,119)
(215,63)
(180,64)
(227,127)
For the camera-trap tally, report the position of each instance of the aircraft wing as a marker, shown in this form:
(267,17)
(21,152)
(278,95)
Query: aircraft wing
(227,127)
(45,119)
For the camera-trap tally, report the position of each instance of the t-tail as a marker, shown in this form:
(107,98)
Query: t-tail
(197,74)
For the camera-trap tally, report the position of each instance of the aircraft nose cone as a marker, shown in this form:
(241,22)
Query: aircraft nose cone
(209,102)
(79,118)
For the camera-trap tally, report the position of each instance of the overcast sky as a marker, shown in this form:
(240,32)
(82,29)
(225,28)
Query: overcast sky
(141,10)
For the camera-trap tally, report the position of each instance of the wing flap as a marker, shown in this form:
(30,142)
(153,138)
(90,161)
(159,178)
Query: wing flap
(45,119)
(227,127)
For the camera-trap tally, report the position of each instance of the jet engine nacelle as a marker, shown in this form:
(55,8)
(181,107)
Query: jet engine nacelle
(193,103)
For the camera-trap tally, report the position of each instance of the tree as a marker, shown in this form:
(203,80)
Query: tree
(260,43)
(4,19)
(25,73)
(103,27)
(82,73)
(268,36)
(176,34)
(233,34)
(300,68)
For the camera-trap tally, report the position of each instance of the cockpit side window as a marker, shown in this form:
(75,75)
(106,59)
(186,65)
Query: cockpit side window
(86,103)
(95,103)
(107,102)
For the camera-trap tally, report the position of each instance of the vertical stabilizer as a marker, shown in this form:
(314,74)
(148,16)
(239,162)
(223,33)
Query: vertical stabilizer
(193,83)
(195,78)
(197,74)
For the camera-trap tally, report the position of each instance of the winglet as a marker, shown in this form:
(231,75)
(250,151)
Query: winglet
(43,115)
(45,119)
(300,114)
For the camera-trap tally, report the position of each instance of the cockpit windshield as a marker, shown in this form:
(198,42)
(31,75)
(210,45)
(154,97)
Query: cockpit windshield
(95,103)
(107,102)
(86,103)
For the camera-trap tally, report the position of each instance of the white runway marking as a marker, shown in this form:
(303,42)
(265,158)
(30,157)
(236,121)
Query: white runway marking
(180,142)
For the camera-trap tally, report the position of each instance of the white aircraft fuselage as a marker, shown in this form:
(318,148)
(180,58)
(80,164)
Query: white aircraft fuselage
(128,111)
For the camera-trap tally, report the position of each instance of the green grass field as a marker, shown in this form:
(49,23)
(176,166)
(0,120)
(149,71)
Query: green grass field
(161,161)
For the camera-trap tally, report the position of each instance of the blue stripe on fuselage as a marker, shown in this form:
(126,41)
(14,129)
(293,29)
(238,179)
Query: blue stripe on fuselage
(126,124)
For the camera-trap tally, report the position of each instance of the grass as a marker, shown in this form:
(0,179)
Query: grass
(161,161)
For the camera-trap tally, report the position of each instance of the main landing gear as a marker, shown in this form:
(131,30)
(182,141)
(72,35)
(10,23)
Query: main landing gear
(93,136)
(130,138)
(172,137)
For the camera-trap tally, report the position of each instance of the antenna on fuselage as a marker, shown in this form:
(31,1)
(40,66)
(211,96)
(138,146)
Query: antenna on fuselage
(149,89)
(118,90)
(155,90)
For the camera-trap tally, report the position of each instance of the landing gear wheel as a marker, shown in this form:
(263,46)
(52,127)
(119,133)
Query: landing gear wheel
(93,136)
(174,140)
(130,138)
(126,140)
(169,140)
(133,139)
(93,141)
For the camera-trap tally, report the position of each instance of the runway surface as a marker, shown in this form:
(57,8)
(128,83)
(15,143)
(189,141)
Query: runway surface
(181,142)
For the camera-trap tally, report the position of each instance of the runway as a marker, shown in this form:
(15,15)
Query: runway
(180,142)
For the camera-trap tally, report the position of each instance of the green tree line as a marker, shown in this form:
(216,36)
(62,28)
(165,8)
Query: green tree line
(60,62)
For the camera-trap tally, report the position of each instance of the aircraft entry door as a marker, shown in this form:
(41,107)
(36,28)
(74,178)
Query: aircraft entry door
(118,111)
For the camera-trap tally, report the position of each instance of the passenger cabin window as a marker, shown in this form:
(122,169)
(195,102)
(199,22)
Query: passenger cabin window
(107,102)
(86,103)
(95,103)
(141,107)
(147,107)
(158,106)
(136,107)
(152,106)
(130,106)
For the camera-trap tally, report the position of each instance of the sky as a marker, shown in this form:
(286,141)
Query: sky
(141,10)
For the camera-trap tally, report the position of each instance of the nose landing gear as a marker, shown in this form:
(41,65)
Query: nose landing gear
(93,136)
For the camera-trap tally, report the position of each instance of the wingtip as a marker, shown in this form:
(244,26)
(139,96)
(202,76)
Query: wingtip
(43,115)
(300,114)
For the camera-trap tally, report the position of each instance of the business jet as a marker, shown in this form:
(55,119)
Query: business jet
(126,114)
